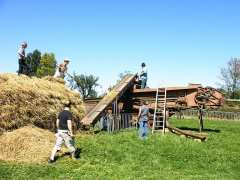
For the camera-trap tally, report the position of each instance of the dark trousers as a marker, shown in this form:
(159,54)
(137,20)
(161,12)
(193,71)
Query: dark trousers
(22,66)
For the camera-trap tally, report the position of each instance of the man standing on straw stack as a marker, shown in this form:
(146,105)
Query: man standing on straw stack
(64,133)
(22,59)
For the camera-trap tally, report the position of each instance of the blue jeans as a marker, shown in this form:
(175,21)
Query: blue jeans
(143,83)
(143,129)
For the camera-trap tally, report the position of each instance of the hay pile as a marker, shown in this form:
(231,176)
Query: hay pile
(27,144)
(25,100)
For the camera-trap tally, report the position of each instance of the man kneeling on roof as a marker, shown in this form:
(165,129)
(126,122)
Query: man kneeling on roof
(64,133)
(61,70)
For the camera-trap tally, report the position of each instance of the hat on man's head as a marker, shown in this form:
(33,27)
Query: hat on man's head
(143,64)
(66,60)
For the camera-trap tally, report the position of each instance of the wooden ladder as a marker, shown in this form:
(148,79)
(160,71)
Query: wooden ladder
(159,118)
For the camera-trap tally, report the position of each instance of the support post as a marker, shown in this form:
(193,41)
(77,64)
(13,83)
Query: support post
(200,117)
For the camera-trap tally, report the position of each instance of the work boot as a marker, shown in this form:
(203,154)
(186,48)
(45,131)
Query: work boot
(50,161)
(73,156)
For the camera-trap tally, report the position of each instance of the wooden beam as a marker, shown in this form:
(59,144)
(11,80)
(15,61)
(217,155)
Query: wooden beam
(187,134)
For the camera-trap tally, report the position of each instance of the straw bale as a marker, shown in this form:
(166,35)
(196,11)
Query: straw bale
(27,144)
(25,100)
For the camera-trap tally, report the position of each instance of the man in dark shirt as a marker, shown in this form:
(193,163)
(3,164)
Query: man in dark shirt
(64,133)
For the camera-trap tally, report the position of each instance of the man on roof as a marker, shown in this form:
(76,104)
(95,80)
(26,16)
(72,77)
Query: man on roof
(143,76)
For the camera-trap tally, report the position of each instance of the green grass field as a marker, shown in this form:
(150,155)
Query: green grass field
(124,156)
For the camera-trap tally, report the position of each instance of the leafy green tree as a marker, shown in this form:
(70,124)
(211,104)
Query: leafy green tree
(33,62)
(86,85)
(47,65)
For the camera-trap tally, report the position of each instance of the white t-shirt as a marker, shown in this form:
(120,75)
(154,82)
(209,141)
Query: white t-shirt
(143,73)
(21,53)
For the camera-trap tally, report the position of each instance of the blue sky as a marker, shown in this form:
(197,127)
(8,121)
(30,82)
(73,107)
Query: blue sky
(182,42)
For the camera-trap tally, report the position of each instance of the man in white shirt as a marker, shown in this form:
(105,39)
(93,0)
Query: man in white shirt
(142,76)
(61,70)
(22,58)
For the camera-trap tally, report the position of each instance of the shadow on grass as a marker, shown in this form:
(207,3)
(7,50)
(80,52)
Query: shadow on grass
(197,130)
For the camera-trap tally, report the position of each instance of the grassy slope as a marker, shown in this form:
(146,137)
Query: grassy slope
(123,156)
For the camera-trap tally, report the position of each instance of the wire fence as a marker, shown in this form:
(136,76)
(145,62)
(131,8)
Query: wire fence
(209,115)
